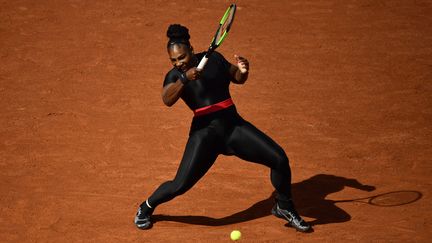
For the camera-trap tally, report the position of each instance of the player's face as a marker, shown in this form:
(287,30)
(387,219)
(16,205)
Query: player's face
(180,56)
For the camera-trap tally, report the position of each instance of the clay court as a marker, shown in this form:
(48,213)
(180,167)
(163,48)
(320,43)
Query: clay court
(343,86)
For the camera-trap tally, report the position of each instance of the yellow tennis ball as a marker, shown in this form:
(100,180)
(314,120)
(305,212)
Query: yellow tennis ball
(235,235)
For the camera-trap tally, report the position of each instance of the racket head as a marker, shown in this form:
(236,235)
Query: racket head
(224,26)
(396,198)
(222,31)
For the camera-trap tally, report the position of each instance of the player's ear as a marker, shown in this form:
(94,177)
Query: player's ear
(191,49)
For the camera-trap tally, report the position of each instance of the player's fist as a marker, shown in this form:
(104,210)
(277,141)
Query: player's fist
(242,64)
(368,188)
(193,74)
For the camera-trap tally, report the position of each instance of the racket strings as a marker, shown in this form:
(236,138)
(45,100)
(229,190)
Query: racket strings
(225,25)
(395,198)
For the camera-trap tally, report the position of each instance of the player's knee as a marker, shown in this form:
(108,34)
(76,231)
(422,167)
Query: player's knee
(282,161)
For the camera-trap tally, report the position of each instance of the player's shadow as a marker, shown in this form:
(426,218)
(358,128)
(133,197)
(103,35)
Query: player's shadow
(309,197)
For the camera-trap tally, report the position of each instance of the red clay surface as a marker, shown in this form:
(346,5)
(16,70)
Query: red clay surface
(343,86)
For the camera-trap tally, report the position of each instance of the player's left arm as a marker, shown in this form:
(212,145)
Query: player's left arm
(357,185)
(239,73)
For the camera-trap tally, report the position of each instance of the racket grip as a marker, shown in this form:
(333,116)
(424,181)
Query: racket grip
(202,63)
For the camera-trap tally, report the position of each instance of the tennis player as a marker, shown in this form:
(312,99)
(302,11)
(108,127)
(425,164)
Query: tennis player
(216,128)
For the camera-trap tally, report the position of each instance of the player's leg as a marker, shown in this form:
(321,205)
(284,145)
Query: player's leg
(249,143)
(200,154)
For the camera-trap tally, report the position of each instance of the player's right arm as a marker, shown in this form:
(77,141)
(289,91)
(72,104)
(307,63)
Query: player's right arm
(172,92)
(174,85)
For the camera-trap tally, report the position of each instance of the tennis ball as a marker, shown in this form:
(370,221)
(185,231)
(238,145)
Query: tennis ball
(235,235)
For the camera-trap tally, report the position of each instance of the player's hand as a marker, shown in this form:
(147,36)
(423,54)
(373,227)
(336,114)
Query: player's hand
(242,64)
(368,188)
(193,74)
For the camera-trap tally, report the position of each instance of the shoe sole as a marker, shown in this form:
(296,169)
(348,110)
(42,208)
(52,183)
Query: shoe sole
(143,226)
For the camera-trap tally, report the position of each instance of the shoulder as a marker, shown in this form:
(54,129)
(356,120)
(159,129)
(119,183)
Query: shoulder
(220,59)
(215,55)
(218,55)
(171,76)
(172,73)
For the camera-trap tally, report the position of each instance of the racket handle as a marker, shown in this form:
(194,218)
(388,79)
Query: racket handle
(202,63)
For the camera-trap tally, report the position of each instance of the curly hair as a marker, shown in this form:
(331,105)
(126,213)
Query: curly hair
(178,34)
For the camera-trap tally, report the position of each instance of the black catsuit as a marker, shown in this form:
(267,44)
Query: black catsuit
(220,132)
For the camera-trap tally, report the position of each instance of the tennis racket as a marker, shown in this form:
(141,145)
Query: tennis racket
(388,199)
(221,33)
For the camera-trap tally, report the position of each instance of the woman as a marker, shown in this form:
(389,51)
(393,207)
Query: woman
(216,128)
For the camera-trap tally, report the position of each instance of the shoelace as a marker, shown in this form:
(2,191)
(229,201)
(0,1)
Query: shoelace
(294,215)
(139,214)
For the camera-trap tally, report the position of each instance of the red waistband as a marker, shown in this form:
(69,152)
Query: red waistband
(215,107)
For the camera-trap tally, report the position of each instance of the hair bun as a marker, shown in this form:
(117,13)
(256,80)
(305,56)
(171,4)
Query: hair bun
(178,32)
